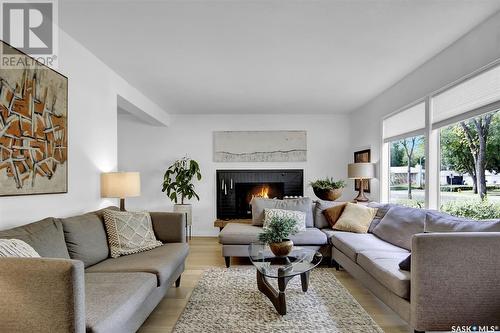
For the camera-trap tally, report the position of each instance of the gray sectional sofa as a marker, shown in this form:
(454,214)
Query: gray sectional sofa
(76,287)
(455,264)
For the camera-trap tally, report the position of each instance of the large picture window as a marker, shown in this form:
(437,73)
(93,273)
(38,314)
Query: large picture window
(444,151)
(407,171)
(470,161)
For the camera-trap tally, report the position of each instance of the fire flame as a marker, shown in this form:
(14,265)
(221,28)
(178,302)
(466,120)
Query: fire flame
(264,192)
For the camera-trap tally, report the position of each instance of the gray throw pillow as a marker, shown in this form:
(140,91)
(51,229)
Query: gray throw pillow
(300,204)
(400,224)
(382,209)
(442,222)
(320,219)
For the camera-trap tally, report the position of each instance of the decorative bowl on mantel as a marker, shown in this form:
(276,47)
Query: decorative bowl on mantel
(328,195)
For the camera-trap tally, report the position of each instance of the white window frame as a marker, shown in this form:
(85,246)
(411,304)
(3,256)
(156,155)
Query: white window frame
(385,174)
(432,141)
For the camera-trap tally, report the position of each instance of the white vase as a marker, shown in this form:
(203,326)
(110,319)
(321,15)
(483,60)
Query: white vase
(187,210)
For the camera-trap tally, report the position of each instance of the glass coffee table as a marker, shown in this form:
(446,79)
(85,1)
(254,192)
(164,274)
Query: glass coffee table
(299,262)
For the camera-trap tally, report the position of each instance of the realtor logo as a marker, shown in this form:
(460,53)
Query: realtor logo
(31,27)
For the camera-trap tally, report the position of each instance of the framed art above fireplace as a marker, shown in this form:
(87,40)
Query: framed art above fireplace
(260,146)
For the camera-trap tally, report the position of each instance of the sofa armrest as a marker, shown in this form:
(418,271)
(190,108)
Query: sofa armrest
(169,227)
(42,295)
(455,280)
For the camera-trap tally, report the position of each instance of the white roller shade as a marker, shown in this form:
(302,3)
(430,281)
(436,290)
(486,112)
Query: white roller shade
(409,122)
(461,100)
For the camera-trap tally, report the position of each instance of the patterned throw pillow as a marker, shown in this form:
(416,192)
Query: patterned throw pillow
(129,232)
(16,248)
(299,217)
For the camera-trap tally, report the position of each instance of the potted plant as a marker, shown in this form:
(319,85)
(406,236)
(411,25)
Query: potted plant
(178,184)
(328,188)
(276,234)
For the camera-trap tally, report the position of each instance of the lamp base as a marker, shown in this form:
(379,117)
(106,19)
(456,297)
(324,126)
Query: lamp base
(361,198)
(361,194)
(122,204)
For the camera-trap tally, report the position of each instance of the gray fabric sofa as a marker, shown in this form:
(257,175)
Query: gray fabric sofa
(455,266)
(454,278)
(235,237)
(76,287)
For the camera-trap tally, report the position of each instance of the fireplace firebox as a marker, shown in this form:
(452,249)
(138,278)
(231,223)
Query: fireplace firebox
(236,188)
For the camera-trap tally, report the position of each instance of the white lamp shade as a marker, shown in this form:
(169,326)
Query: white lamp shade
(120,184)
(361,170)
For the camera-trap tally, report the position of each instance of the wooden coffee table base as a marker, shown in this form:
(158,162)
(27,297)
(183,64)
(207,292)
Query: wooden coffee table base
(277,297)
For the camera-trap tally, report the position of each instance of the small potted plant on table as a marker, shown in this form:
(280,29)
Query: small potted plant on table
(277,234)
(328,188)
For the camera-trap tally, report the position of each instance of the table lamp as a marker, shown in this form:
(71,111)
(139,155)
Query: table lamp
(120,185)
(361,171)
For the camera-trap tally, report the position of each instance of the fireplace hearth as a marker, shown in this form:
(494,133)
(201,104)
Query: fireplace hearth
(236,188)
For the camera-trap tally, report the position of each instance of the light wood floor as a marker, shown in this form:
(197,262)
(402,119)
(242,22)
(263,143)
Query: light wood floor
(205,252)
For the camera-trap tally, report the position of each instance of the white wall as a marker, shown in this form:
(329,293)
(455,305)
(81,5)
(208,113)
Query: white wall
(150,150)
(476,49)
(92,127)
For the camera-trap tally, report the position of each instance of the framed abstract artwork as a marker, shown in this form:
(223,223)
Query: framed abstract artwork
(362,156)
(260,146)
(33,127)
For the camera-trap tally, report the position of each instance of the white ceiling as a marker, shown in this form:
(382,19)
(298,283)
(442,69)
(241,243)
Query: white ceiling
(231,57)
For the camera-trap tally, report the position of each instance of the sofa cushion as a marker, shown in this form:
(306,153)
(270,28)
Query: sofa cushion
(400,224)
(241,234)
(384,266)
(113,298)
(320,220)
(45,236)
(311,236)
(162,261)
(442,222)
(382,209)
(329,232)
(352,244)
(86,237)
(300,204)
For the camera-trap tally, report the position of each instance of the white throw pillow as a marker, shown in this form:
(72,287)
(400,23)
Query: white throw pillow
(129,232)
(16,248)
(298,216)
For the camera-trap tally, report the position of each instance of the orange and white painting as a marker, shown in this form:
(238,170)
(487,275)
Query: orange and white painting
(33,129)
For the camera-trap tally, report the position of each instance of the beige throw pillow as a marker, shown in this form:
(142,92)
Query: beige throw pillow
(16,248)
(355,218)
(299,217)
(129,232)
